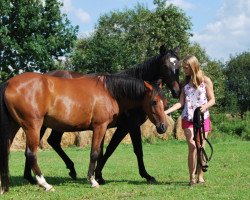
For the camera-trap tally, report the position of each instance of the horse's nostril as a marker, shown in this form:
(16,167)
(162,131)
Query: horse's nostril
(161,128)
(176,93)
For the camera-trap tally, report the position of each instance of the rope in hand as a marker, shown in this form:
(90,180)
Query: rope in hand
(199,136)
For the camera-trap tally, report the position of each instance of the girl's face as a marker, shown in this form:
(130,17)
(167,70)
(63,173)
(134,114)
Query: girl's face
(187,70)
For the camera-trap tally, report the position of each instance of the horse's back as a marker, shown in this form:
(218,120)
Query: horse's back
(62,104)
(82,102)
(64,74)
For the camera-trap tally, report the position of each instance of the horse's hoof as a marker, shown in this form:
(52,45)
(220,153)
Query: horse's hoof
(72,175)
(95,185)
(50,189)
(93,182)
(151,180)
(101,181)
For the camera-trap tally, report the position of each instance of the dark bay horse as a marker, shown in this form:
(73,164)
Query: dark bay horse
(164,66)
(92,102)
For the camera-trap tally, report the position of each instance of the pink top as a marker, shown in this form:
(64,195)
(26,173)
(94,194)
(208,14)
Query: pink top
(193,99)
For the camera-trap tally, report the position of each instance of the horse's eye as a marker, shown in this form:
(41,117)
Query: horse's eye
(153,103)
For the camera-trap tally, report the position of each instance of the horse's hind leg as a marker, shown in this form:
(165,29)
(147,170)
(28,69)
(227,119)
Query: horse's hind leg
(8,132)
(27,170)
(135,135)
(55,141)
(32,142)
(98,135)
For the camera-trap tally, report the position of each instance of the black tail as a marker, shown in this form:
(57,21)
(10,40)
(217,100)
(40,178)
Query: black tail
(4,141)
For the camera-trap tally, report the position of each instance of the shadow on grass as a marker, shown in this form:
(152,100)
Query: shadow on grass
(142,182)
(16,181)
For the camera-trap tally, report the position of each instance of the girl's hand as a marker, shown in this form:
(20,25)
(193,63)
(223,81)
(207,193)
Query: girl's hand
(203,108)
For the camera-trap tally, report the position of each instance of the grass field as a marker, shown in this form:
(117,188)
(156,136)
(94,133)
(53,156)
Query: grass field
(228,176)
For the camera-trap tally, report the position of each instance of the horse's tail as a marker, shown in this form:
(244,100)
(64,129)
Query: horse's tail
(4,142)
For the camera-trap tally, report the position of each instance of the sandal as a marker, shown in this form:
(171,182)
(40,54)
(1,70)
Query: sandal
(192,182)
(202,181)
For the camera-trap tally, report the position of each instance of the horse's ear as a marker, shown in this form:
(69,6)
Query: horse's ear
(176,50)
(148,86)
(162,49)
(159,83)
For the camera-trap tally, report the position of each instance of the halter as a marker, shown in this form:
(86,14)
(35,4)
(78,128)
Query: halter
(199,136)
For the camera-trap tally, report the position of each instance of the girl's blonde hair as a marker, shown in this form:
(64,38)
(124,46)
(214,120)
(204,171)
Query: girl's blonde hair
(197,74)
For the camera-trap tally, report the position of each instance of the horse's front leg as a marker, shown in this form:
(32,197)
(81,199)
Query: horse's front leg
(117,137)
(54,140)
(97,139)
(135,134)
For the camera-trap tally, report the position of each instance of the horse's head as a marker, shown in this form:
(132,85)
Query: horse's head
(170,69)
(154,104)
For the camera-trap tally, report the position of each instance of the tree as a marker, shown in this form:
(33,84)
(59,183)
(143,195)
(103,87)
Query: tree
(125,38)
(33,34)
(237,72)
(214,70)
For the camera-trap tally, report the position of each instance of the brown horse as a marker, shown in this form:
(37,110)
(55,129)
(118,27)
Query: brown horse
(164,66)
(92,102)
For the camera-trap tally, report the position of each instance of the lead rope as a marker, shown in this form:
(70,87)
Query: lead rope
(199,136)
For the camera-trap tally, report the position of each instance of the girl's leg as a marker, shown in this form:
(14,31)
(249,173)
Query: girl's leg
(199,170)
(192,155)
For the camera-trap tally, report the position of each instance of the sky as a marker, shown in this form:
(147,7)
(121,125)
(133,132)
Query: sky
(221,27)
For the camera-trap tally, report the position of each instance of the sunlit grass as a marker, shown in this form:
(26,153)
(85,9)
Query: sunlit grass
(228,176)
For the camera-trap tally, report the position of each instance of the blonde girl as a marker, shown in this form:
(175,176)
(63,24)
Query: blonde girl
(197,91)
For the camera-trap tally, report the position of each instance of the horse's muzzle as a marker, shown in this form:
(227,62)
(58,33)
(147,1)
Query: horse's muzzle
(161,128)
(176,93)
(176,90)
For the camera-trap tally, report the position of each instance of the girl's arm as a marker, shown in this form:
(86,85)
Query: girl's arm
(177,105)
(210,94)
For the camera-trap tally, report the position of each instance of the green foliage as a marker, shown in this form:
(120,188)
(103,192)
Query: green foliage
(33,34)
(228,125)
(237,72)
(214,70)
(125,38)
(198,51)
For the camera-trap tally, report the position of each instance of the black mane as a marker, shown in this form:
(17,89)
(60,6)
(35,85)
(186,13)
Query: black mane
(123,86)
(148,70)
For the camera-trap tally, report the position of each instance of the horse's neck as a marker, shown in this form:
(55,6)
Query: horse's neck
(148,71)
(126,104)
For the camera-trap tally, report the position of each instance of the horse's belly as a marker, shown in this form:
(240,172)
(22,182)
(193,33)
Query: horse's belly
(62,124)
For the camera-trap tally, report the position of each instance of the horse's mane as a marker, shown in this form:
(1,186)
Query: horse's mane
(150,69)
(150,66)
(124,86)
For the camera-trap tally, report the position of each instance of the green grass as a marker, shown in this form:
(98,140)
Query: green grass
(228,175)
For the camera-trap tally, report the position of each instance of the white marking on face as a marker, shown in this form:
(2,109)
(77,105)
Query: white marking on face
(173,61)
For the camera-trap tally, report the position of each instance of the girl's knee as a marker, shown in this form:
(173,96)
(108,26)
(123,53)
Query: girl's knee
(191,146)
